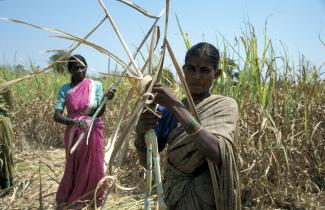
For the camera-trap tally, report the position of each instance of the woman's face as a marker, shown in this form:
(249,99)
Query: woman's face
(199,74)
(78,71)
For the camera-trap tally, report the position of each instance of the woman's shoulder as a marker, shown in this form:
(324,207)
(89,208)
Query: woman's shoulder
(96,83)
(65,88)
(222,101)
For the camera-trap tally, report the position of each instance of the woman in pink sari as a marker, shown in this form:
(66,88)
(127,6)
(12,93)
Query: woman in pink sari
(84,159)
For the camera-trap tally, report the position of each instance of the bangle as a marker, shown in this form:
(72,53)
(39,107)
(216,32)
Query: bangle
(192,127)
(138,147)
(66,121)
(198,130)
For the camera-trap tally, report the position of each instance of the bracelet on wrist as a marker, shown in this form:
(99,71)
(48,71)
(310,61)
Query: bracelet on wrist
(193,127)
(65,121)
(197,131)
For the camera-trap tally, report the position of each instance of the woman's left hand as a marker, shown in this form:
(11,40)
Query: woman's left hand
(81,123)
(164,96)
(110,93)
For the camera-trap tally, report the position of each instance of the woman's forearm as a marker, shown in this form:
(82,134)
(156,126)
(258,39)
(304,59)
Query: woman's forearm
(206,142)
(60,118)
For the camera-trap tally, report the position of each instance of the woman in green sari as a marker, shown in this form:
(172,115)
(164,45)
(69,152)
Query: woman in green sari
(191,182)
(6,160)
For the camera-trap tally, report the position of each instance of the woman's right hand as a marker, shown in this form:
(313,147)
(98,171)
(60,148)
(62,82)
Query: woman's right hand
(147,121)
(164,95)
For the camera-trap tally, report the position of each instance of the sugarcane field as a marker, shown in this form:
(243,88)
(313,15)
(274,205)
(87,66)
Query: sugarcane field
(162,105)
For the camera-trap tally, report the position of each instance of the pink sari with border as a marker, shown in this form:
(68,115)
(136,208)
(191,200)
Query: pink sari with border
(85,167)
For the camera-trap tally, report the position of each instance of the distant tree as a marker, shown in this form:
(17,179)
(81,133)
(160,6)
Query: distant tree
(60,56)
(20,68)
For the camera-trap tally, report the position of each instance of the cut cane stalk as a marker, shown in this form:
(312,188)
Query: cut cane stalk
(121,39)
(147,200)
(148,139)
(166,21)
(151,135)
(71,134)
(183,81)
(81,136)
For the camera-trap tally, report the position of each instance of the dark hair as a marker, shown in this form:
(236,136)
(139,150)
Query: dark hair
(76,58)
(204,49)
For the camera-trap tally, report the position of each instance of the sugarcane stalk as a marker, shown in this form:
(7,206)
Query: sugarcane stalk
(156,160)
(120,38)
(96,114)
(81,136)
(152,149)
(147,200)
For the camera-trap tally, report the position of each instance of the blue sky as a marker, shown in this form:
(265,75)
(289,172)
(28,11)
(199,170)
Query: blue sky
(297,24)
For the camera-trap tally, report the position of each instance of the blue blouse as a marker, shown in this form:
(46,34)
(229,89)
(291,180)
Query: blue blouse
(165,125)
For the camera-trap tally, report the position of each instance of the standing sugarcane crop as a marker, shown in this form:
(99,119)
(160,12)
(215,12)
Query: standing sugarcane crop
(188,182)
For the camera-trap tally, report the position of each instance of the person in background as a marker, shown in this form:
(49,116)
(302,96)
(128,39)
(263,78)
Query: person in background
(6,136)
(189,182)
(85,166)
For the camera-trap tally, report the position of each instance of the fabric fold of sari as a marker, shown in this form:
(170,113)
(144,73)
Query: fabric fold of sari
(85,166)
(185,187)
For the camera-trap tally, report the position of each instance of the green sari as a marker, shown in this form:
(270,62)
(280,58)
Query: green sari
(188,181)
(6,159)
